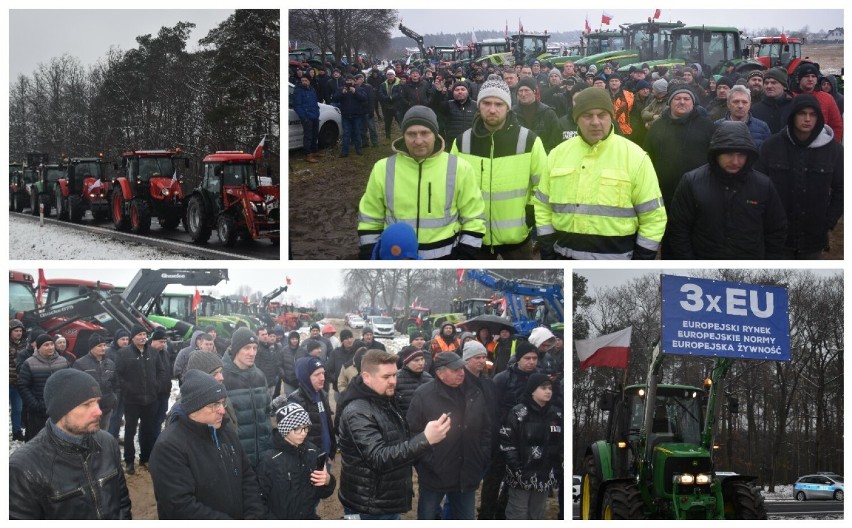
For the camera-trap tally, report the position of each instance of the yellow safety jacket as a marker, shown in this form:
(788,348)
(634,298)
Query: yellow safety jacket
(508,165)
(438,197)
(600,201)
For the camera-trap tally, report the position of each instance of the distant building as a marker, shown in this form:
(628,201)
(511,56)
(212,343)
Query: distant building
(835,35)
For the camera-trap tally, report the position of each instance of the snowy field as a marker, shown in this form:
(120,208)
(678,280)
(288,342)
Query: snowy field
(30,241)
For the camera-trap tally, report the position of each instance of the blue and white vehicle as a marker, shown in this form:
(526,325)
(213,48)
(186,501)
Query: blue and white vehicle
(819,486)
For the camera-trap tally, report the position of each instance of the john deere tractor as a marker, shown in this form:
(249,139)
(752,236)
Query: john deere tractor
(657,459)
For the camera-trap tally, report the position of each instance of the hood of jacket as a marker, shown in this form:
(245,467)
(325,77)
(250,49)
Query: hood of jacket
(821,133)
(14,323)
(731,136)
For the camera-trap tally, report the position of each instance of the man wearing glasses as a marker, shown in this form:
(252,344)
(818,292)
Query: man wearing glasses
(198,468)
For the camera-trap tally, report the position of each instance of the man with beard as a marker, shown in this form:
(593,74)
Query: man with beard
(457,111)
(70,453)
(725,209)
(376,448)
(806,167)
(369,340)
(445,341)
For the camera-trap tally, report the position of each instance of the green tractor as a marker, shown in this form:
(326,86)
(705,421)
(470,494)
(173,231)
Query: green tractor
(608,46)
(46,176)
(709,46)
(657,459)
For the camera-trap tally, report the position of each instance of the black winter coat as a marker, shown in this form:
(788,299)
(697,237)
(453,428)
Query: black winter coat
(301,397)
(339,357)
(774,112)
(203,473)
(267,360)
(677,146)
(287,368)
(406,383)
(531,442)
(247,391)
(415,94)
(809,179)
(284,476)
(716,215)
(455,117)
(104,372)
(457,463)
(138,374)
(509,386)
(377,452)
(544,123)
(33,375)
(350,103)
(50,478)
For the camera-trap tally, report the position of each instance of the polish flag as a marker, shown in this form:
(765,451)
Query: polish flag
(606,18)
(520,26)
(196,300)
(42,285)
(258,152)
(610,350)
(657,14)
(588,27)
(461,276)
(289,282)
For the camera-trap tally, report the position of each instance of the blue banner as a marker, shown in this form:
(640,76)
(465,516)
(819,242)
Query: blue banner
(704,317)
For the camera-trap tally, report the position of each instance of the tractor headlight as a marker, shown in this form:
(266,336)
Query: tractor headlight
(684,479)
(703,479)
(165,192)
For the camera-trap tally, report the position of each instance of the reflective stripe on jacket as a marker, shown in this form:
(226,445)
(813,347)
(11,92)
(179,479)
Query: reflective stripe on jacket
(602,201)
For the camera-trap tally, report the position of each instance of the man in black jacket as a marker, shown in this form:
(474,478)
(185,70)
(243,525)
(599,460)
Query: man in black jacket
(97,365)
(139,369)
(71,469)
(198,468)
(411,375)
(455,466)
(806,166)
(375,444)
(725,209)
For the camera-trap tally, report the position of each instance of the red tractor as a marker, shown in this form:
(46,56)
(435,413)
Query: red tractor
(84,186)
(233,200)
(783,51)
(147,185)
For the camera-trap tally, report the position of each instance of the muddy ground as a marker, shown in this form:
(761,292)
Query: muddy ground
(324,196)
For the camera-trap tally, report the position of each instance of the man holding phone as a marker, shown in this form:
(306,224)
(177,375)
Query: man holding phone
(376,448)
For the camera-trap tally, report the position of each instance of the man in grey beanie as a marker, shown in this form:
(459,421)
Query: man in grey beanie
(70,453)
(411,186)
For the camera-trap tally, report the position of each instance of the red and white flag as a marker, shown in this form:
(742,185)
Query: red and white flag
(610,350)
(472,37)
(606,18)
(657,14)
(42,285)
(506,31)
(96,185)
(258,152)
(461,276)
(196,300)
(588,27)
(174,178)
(288,281)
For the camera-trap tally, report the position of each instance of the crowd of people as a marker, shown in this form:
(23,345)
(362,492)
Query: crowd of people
(258,427)
(498,161)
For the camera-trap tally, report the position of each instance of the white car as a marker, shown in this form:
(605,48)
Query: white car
(382,326)
(330,125)
(356,321)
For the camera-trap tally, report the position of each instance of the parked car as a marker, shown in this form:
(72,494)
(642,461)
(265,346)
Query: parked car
(578,481)
(382,326)
(330,125)
(356,321)
(819,486)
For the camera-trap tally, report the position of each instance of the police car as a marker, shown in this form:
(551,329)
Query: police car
(819,486)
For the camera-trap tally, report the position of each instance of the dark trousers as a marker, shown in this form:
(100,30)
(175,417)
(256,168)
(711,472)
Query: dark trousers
(492,503)
(369,135)
(115,418)
(145,416)
(35,423)
(351,133)
(310,139)
(389,114)
(160,415)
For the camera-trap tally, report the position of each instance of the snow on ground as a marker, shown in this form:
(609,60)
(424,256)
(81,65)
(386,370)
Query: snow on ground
(30,241)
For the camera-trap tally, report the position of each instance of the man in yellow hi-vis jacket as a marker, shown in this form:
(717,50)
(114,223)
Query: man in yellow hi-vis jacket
(426,188)
(599,198)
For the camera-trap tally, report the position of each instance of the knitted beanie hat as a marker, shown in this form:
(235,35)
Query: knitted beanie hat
(409,353)
(529,82)
(66,389)
(136,330)
(539,335)
(200,389)
(472,349)
(159,334)
(42,339)
(420,115)
(777,74)
(242,337)
(345,334)
(537,380)
(555,71)
(725,81)
(525,347)
(495,88)
(679,89)
(591,99)
(290,417)
(95,340)
(204,361)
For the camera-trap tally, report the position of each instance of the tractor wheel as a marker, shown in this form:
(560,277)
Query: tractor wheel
(227,230)
(622,501)
(196,220)
(800,496)
(838,495)
(743,501)
(169,220)
(140,217)
(33,202)
(120,219)
(76,210)
(20,202)
(61,204)
(589,488)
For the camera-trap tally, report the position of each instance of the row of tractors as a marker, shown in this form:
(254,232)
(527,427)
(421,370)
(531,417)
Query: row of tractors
(230,199)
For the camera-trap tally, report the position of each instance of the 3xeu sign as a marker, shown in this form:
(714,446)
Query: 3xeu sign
(704,317)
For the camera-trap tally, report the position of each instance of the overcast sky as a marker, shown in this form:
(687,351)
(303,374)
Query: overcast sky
(37,35)
(557,20)
(307,285)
